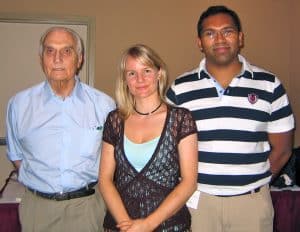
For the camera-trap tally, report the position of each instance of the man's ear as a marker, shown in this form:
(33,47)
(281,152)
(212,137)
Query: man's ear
(199,44)
(41,61)
(241,39)
(79,62)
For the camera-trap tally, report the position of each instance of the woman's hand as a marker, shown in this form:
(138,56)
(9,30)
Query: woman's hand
(138,225)
(125,225)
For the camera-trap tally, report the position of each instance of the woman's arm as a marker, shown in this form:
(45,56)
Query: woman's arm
(188,159)
(107,187)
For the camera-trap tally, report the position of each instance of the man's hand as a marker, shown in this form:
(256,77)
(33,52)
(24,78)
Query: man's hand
(17,164)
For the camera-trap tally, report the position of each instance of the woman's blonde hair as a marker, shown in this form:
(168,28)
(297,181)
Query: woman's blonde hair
(146,56)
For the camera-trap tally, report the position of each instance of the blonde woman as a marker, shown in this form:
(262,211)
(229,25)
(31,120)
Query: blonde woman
(148,167)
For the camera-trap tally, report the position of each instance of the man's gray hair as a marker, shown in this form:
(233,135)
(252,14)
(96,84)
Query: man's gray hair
(75,35)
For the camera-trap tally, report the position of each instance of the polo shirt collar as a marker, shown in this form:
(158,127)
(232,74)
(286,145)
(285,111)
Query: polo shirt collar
(246,68)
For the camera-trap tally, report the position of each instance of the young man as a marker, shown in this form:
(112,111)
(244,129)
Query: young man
(54,133)
(245,129)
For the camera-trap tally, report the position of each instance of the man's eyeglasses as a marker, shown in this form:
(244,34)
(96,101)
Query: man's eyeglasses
(225,32)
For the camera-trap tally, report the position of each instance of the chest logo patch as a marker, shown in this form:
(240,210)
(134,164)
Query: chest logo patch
(252,98)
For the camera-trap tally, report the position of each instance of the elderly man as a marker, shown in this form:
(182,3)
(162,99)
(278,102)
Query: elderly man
(54,133)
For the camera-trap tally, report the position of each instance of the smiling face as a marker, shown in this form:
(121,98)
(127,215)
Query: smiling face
(220,40)
(142,80)
(59,59)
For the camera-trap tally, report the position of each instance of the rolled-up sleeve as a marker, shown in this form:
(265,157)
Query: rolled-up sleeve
(14,151)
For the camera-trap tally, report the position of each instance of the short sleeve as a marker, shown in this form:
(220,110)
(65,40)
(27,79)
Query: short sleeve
(111,127)
(186,123)
(14,149)
(282,118)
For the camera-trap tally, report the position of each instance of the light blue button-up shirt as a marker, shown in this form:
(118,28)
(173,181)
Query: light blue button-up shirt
(58,140)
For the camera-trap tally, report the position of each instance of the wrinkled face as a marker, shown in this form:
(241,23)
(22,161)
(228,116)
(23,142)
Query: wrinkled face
(219,40)
(59,60)
(142,80)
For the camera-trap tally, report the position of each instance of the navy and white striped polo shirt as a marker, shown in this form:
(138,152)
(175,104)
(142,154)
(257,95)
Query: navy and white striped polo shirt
(233,128)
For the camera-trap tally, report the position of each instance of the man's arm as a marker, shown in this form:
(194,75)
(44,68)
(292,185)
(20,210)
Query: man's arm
(281,144)
(17,164)
(13,145)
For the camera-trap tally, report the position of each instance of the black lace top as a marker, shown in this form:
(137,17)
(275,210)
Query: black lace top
(143,191)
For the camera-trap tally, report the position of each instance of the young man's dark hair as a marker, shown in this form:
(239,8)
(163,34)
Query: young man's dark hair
(213,10)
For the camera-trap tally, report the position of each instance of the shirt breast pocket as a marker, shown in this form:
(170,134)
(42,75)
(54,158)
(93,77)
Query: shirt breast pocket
(90,142)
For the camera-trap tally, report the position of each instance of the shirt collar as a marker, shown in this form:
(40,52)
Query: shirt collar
(76,93)
(246,68)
